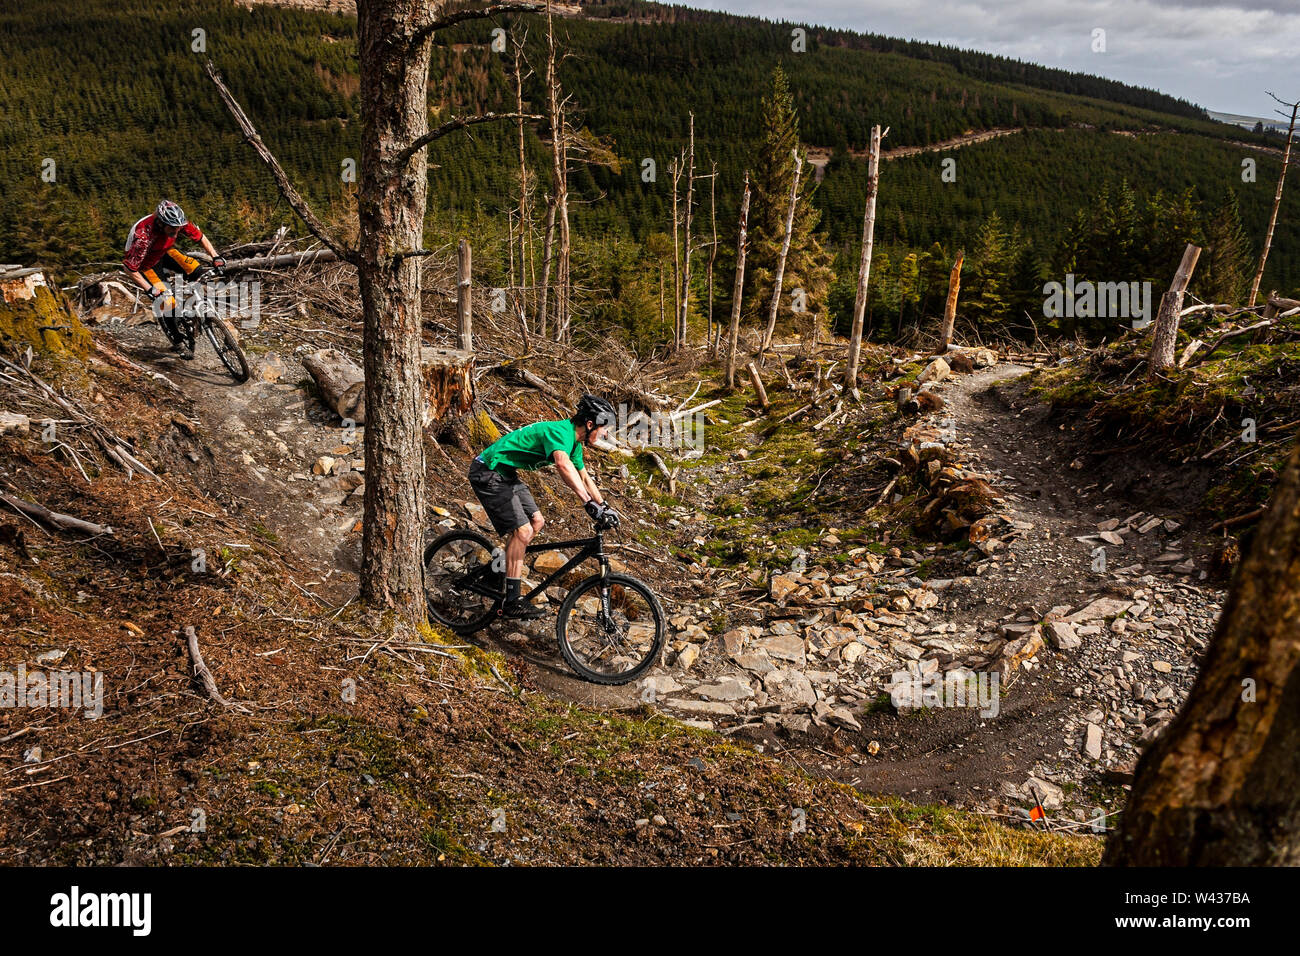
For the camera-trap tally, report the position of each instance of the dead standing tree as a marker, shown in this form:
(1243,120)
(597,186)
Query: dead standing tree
(1171,306)
(781,259)
(714,335)
(1277,202)
(950,306)
(393,45)
(864,266)
(685,292)
(736,294)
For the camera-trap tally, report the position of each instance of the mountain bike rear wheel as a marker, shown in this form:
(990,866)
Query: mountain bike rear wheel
(611,629)
(461,588)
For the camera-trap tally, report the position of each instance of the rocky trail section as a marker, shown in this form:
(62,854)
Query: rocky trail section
(846,664)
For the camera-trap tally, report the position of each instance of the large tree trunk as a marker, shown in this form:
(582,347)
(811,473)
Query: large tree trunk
(741,246)
(864,266)
(1277,203)
(394,104)
(1171,305)
(1221,787)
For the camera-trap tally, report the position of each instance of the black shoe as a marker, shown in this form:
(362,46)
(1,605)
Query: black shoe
(521,610)
(187,354)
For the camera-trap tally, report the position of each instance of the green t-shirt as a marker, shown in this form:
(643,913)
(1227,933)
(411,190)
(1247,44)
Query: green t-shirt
(530,447)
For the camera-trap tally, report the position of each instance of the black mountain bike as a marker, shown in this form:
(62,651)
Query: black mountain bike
(610,626)
(181,325)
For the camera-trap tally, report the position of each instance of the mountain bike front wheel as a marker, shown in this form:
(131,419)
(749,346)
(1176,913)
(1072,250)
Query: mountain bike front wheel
(611,629)
(226,343)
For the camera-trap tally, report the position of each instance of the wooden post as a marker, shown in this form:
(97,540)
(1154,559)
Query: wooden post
(1277,202)
(758,386)
(864,266)
(464,308)
(741,246)
(950,307)
(1171,303)
(785,251)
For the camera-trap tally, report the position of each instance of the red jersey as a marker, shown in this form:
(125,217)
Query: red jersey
(146,245)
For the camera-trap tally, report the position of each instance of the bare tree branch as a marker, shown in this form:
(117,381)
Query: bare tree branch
(290,194)
(451,126)
(460,16)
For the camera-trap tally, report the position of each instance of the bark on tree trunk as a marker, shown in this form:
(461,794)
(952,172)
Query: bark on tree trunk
(741,245)
(1277,202)
(342,385)
(391,204)
(785,252)
(1171,304)
(1221,787)
(950,307)
(864,266)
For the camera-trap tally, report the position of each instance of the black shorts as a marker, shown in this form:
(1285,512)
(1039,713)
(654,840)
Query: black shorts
(506,499)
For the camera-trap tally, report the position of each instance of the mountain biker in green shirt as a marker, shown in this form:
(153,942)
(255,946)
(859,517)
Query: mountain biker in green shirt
(494,476)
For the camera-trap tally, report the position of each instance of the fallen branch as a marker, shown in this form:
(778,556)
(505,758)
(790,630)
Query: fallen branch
(204,675)
(287,190)
(1240,519)
(53,518)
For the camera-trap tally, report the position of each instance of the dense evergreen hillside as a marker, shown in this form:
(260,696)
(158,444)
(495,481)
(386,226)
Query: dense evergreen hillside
(113,93)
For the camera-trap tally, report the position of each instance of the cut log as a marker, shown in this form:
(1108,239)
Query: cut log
(341,383)
(448,383)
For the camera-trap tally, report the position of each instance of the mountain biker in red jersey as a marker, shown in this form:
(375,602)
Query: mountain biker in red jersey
(150,251)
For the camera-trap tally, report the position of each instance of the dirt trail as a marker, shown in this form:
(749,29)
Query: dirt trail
(261,439)
(952,755)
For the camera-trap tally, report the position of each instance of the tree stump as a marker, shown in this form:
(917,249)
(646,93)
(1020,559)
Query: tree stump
(341,383)
(448,383)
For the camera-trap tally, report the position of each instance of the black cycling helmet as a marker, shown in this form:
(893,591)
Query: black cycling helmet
(593,408)
(170,214)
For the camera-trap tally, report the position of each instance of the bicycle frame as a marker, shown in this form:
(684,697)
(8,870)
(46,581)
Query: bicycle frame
(593,547)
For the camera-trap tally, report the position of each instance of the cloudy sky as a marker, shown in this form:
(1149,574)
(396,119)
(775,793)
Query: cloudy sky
(1221,55)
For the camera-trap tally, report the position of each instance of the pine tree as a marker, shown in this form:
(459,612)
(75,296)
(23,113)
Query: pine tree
(809,265)
(1225,266)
